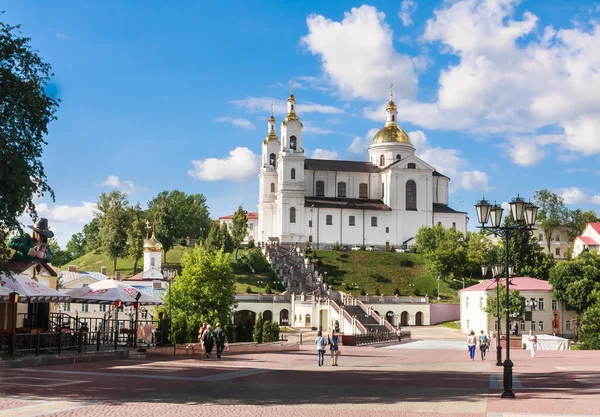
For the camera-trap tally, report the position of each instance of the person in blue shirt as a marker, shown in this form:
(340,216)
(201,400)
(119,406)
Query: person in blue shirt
(334,347)
(320,342)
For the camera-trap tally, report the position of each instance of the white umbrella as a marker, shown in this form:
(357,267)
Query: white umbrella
(30,290)
(109,291)
(4,293)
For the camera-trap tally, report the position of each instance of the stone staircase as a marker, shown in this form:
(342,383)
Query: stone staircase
(367,320)
(294,269)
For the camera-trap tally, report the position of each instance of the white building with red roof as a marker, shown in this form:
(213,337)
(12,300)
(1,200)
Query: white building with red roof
(252,230)
(548,316)
(588,240)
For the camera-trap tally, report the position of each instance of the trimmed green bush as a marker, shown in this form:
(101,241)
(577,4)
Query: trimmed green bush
(251,244)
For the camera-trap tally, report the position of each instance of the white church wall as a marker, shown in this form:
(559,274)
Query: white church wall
(449,220)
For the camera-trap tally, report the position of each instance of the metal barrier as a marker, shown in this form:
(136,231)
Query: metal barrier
(374,338)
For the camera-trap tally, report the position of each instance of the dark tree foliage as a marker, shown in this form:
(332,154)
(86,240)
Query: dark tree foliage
(25,112)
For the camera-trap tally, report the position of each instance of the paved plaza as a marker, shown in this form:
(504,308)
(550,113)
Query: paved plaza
(434,379)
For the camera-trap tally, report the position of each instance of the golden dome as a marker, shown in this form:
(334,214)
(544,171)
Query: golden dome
(391,106)
(391,133)
(291,97)
(271,136)
(272,118)
(153,245)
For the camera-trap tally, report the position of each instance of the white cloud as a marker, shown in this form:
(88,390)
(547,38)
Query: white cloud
(63,220)
(241,164)
(357,54)
(407,8)
(61,36)
(496,87)
(360,145)
(114,182)
(450,163)
(263,104)
(506,206)
(245,123)
(574,195)
(308,128)
(324,154)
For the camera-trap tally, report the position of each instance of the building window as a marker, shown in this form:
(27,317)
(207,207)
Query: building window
(533,325)
(381,160)
(495,325)
(251,226)
(481,303)
(341,189)
(103,308)
(411,195)
(382,190)
(272,160)
(351,221)
(320,189)
(387,229)
(541,237)
(310,223)
(454,225)
(558,237)
(468,325)
(398,157)
(293,142)
(568,325)
(467,304)
(310,238)
(329,220)
(67,306)
(85,307)
(554,305)
(522,325)
(272,187)
(293,215)
(541,326)
(412,166)
(293,173)
(151,261)
(541,304)
(373,221)
(557,251)
(393,118)
(363,190)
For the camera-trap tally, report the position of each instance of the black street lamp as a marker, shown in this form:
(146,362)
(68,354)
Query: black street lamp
(496,272)
(524,214)
(169,274)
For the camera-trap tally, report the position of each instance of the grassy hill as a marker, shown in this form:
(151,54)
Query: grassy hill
(94,260)
(384,271)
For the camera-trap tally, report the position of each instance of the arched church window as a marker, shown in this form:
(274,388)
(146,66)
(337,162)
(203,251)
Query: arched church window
(398,157)
(151,261)
(411,195)
(363,190)
(412,166)
(272,187)
(272,160)
(341,189)
(293,142)
(293,215)
(320,189)
(381,160)
(293,173)
(393,118)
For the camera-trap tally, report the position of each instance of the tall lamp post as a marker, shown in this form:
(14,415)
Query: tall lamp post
(438,293)
(496,273)
(524,214)
(168,275)
(458,280)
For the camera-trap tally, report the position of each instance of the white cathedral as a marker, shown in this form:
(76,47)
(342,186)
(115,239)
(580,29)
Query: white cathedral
(381,202)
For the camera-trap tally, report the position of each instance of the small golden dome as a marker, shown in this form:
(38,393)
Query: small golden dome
(291,97)
(391,133)
(272,118)
(153,245)
(391,106)
(271,136)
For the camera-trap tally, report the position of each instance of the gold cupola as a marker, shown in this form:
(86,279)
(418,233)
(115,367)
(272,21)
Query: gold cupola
(153,245)
(271,134)
(291,107)
(391,132)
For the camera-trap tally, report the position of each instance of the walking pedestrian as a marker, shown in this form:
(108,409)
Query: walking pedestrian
(220,338)
(471,343)
(484,343)
(320,342)
(399,333)
(532,339)
(334,347)
(201,331)
(208,339)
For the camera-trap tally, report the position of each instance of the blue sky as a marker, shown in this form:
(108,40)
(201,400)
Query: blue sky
(500,95)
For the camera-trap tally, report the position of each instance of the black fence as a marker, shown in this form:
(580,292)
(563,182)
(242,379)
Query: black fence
(375,338)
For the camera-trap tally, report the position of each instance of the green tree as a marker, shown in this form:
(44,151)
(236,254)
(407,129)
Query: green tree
(275,331)
(91,236)
(27,110)
(177,215)
(225,237)
(589,328)
(213,241)
(135,235)
(75,245)
(516,303)
(574,281)
(113,214)
(61,257)
(267,335)
(576,220)
(203,292)
(552,212)
(480,251)
(445,250)
(239,227)
(258,329)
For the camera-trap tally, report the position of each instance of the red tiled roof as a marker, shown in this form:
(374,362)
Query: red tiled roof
(517,283)
(595,226)
(137,277)
(249,216)
(588,240)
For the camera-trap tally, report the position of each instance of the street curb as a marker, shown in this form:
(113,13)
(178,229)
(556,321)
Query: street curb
(28,362)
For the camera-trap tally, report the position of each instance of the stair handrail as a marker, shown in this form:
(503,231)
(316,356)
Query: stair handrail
(376,316)
(348,317)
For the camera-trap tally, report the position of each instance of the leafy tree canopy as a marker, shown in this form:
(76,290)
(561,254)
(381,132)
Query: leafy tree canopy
(239,227)
(114,219)
(26,113)
(516,303)
(574,281)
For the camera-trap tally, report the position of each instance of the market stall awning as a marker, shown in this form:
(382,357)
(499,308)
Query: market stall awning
(31,291)
(110,290)
(4,292)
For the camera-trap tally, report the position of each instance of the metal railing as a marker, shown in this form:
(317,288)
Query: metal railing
(267,298)
(352,320)
(375,338)
(376,316)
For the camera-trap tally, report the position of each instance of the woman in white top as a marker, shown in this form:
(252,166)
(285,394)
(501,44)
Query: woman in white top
(320,342)
(532,343)
(471,343)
